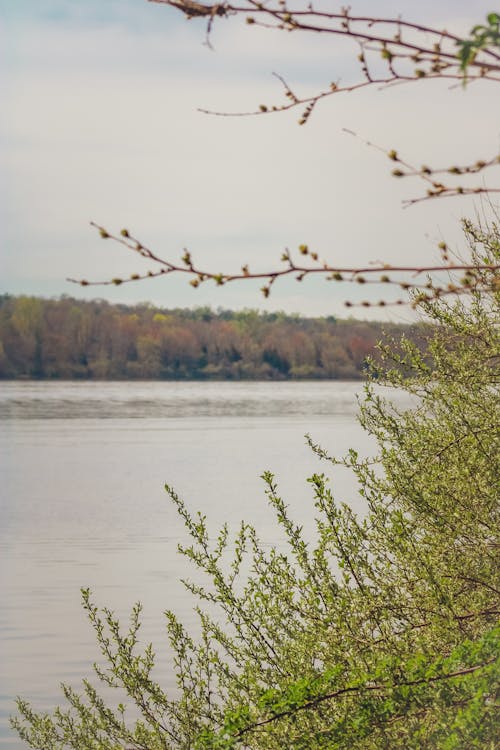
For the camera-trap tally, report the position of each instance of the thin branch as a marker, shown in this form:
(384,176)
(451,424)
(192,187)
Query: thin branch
(409,52)
(378,273)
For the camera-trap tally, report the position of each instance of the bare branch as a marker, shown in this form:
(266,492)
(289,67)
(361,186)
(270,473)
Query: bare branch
(391,51)
(405,277)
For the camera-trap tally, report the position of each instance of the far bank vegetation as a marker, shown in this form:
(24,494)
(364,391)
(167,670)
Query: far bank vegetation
(71,339)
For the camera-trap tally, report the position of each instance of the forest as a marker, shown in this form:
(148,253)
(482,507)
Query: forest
(73,339)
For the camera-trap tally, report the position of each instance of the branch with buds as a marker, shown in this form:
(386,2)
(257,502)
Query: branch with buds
(408,51)
(390,51)
(462,277)
(437,180)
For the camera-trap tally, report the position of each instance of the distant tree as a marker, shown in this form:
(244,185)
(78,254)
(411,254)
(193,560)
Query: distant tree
(67,338)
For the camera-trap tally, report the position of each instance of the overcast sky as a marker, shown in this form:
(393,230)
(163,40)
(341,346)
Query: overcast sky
(99,122)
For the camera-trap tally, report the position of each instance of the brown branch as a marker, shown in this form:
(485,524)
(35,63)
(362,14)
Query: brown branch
(429,53)
(193,9)
(483,613)
(425,52)
(377,273)
(335,88)
(436,189)
(459,439)
(450,193)
(358,28)
(383,272)
(476,581)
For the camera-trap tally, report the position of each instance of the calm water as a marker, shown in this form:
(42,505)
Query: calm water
(82,502)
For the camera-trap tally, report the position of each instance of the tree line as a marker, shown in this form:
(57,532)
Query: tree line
(73,339)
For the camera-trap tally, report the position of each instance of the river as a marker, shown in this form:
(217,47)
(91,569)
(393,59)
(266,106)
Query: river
(83,467)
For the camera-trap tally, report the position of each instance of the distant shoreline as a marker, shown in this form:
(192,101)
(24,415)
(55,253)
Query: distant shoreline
(69,339)
(27,379)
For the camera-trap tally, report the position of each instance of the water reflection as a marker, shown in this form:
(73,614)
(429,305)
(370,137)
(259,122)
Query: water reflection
(160,400)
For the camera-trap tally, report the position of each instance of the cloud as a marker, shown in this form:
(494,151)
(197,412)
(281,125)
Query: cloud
(102,124)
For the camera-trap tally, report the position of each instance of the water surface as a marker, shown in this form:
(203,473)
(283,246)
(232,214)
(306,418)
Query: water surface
(83,467)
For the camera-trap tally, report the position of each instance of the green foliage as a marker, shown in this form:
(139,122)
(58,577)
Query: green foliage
(382,631)
(482,37)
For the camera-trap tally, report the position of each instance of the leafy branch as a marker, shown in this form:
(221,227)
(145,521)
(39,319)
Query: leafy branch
(306,694)
(482,38)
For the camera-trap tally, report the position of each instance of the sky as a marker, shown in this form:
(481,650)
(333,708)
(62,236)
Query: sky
(100,123)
